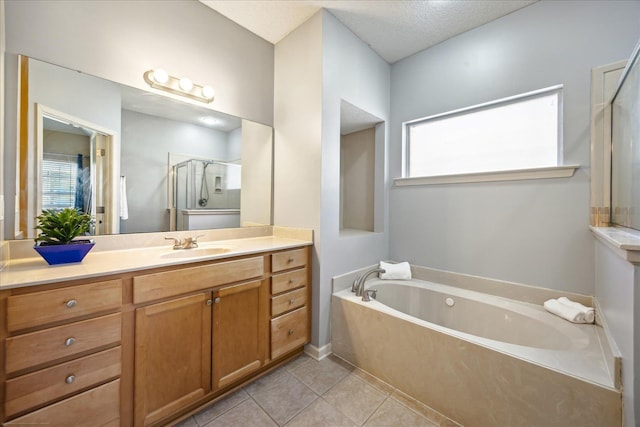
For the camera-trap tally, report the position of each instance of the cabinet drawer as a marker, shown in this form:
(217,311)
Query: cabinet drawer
(40,308)
(287,281)
(288,301)
(288,332)
(28,391)
(93,408)
(36,348)
(166,284)
(289,259)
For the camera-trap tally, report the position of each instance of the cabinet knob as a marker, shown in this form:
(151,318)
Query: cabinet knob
(209,302)
(291,331)
(71,303)
(291,281)
(69,341)
(217,300)
(70,379)
(290,260)
(291,301)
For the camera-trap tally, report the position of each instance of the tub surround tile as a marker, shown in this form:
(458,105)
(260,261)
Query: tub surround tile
(320,413)
(355,398)
(281,395)
(392,414)
(467,382)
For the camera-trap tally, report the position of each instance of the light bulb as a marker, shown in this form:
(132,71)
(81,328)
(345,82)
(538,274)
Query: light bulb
(160,76)
(208,92)
(186,84)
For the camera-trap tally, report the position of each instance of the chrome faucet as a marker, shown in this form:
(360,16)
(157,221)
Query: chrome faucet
(187,243)
(359,283)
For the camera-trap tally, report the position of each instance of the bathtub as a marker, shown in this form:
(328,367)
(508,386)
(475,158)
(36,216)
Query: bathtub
(479,359)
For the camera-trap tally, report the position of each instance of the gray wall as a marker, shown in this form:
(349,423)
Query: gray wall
(148,140)
(317,66)
(534,232)
(352,72)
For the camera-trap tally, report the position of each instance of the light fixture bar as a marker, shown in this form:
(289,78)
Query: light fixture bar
(159,79)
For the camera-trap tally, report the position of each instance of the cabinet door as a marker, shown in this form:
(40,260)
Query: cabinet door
(240,331)
(172,356)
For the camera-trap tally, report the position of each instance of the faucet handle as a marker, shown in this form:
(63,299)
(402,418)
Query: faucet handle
(194,240)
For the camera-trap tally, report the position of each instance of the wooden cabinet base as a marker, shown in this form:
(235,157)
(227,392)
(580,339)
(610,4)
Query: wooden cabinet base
(97,407)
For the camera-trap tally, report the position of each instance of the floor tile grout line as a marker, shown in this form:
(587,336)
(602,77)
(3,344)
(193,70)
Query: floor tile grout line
(297,413)
(222,413)
(303,409)
(375,410)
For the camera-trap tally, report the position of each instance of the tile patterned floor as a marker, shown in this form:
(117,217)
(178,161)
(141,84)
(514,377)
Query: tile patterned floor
(310,393)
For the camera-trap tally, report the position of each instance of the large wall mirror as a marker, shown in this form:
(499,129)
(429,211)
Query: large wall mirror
(136,161)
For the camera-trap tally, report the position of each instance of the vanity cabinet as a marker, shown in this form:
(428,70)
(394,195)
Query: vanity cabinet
(189,345)
(290,294)
(172,356)
(240,332)
(62,352)
(144,348)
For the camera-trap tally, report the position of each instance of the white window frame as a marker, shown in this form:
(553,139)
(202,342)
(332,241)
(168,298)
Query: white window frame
(557,171)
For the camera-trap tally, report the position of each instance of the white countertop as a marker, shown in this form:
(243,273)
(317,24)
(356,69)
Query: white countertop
(625,241)
(35,271)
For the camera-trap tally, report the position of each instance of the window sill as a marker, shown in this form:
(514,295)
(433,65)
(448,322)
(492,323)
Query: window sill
(508,175)
(623,241)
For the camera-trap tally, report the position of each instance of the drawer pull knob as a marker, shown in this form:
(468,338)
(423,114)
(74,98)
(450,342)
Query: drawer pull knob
(291,281)
(290,331)
(290,260)
(71,303)
(209,302)
(217,300)
(69,341)
(291,301)
(70,379)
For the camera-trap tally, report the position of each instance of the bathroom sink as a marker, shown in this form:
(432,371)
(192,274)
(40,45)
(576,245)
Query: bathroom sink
(196,252)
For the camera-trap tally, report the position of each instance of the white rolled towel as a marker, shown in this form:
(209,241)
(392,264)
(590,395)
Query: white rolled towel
(589,312)
(569,312)
(399,271)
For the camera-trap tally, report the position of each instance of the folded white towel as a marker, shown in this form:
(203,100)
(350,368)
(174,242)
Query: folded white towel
(399,271)
(589,312)
(570,312)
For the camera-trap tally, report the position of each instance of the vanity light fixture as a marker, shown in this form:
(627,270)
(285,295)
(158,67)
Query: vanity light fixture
(159,79)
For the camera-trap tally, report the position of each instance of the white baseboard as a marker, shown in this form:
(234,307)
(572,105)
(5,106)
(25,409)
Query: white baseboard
(317,353)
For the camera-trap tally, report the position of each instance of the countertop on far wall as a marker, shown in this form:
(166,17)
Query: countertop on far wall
(34,270)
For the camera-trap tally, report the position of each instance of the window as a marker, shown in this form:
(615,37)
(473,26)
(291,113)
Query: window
(516,133)
(59,180)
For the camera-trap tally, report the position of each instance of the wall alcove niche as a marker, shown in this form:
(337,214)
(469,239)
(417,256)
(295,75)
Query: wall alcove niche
(360,133)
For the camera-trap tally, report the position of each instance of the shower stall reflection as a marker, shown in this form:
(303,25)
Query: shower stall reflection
(206,194)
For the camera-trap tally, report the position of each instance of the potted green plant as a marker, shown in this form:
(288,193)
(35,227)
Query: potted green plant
(58,229)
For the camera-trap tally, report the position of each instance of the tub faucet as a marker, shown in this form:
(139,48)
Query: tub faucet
(359,284)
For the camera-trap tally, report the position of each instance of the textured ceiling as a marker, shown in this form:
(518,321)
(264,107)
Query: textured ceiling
(394,29)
